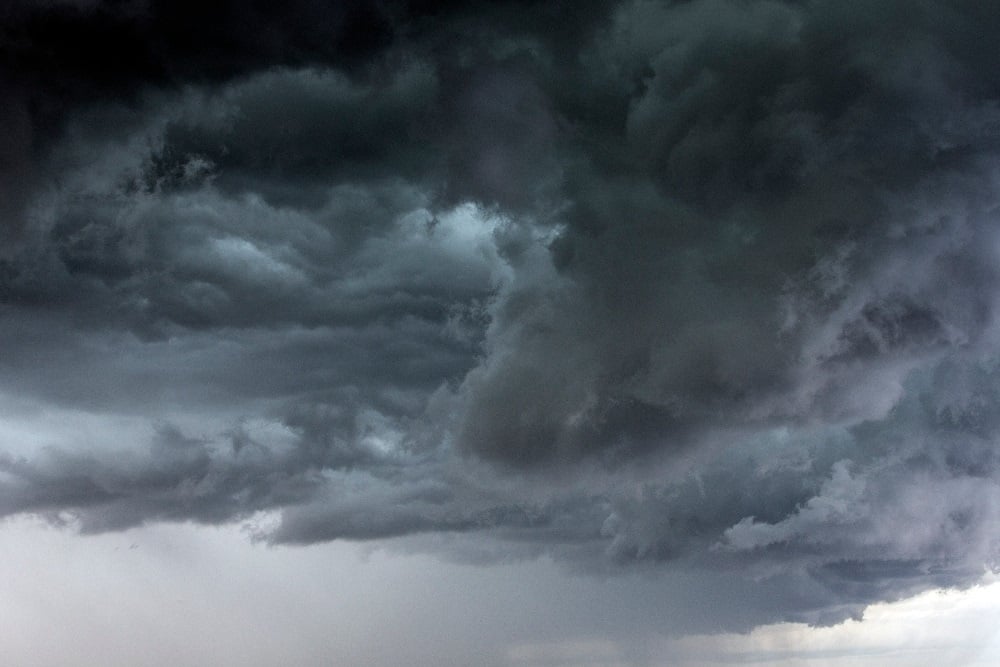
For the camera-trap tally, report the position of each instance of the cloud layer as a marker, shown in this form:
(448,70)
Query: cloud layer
(703,285)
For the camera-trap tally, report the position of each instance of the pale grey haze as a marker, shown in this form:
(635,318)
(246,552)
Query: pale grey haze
(608,330)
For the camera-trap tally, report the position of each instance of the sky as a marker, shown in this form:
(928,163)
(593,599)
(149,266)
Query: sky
(514,333)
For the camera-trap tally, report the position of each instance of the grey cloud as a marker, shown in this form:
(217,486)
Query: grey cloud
(676,291)
(702,285)
(287,133)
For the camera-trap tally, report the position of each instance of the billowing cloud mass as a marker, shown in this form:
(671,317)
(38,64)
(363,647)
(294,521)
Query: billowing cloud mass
(705,285)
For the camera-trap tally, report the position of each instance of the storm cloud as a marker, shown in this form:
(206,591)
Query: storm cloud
(704,285)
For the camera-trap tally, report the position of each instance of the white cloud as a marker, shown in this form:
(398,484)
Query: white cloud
(939,627)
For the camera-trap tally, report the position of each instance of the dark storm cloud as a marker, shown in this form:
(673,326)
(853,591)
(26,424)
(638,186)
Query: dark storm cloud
(58,56)
(671,286)
(701,285)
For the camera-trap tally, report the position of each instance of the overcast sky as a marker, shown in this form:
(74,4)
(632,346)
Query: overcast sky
(401,332)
